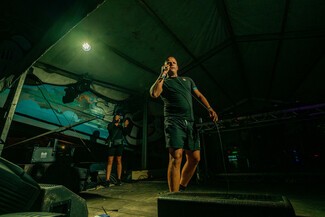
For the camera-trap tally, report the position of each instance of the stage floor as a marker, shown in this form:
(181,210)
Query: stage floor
(140,198)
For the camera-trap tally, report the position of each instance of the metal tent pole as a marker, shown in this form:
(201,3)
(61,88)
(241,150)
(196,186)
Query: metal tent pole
(8,116)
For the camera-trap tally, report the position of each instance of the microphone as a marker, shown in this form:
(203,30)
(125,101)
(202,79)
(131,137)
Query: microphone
(164,67)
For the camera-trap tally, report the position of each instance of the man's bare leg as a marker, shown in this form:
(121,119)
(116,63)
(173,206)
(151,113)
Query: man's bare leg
(174,168)
(192,160)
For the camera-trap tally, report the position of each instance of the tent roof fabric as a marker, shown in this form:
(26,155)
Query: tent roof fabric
(246,57)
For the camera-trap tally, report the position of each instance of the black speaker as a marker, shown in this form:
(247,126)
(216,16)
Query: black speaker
(33,214)
(18,191)
(206,204)
(43,155)
(62,174)
(59,199)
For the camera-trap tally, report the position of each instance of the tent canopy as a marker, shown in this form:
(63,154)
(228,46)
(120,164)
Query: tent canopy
(246,57)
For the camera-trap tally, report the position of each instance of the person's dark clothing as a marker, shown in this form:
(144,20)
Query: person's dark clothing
(116,138)
(178,113)
(177,97)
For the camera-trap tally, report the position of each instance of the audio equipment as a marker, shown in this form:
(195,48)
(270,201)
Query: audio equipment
(17,189)
(206,204)
(59,199)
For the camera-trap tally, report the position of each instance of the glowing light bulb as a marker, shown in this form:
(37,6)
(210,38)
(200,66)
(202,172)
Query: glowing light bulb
(86,46)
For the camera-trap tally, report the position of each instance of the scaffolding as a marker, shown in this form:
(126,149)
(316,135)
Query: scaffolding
(307,112)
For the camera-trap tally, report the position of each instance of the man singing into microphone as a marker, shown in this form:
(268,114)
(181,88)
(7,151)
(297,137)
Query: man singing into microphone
(176,93)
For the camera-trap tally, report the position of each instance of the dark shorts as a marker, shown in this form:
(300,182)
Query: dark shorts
(115,150)
(180,133)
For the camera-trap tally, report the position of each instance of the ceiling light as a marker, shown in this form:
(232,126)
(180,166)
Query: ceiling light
(86,46)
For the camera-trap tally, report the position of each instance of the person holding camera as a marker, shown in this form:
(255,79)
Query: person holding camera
(117,131)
